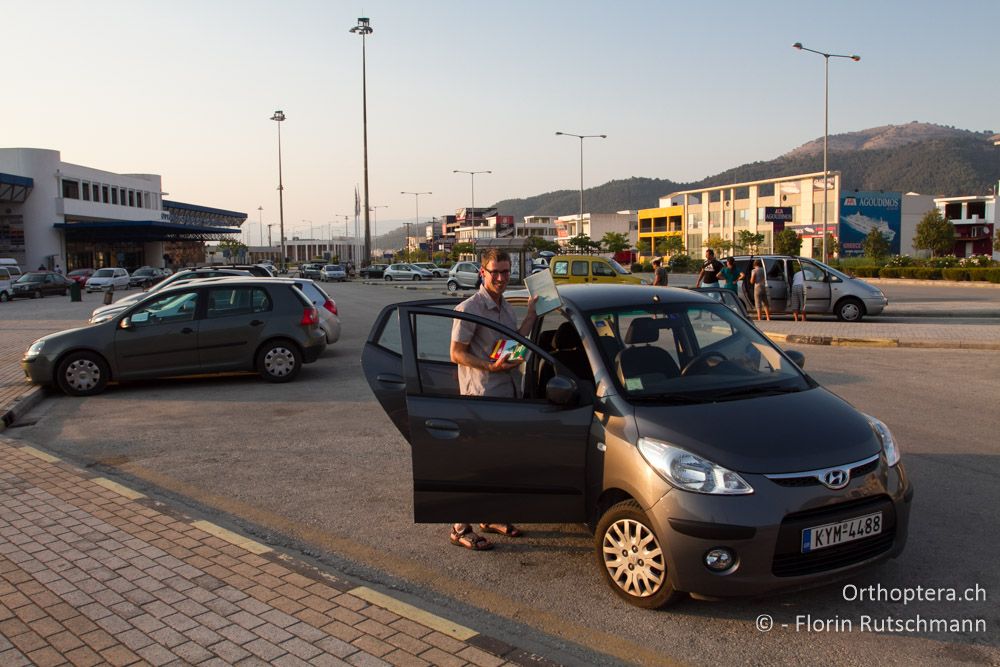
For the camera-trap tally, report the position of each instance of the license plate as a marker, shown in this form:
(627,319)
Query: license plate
(832,534)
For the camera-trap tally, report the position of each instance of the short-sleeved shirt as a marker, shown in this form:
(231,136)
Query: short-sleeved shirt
(798,280)
(711,267)
(473,381)
(661,276)
(730,275)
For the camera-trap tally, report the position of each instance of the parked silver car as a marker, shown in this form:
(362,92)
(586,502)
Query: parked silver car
(436,271)
(828,291)
(464,275)
(332,272)
(103,313)
(406,272)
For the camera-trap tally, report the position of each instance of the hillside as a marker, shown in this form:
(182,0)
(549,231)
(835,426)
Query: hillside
(918,157)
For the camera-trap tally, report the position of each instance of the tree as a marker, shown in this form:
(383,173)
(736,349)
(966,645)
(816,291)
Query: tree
(460,249)
(231,249)
(720,245)
(670,245)
(583,243)
(876,246)
(538,243)
(644,247)
(748,241)
(934,233)
(787,242)
(615,241)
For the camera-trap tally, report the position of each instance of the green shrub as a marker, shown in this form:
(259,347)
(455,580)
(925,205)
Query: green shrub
(647,267)
(900,260)
(915,272)
(946,262)
(636,267)
(955,274)
(864,271)
(680,263)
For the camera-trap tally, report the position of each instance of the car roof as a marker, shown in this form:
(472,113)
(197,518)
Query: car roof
(594,296)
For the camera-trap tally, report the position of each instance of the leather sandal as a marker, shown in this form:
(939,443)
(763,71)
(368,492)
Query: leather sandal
(468,539)
(507,529)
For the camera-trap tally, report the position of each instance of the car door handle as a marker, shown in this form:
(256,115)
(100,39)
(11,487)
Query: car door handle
(256,323)
(442,428)
(390,378)
(187,330)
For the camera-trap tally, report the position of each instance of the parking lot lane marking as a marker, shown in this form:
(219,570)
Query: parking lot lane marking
(117,488)
(231,537)
(484,598)
(425,618)
(39,454)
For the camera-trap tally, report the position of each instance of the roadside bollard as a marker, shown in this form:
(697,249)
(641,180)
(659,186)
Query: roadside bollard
(109,295)
(74,292)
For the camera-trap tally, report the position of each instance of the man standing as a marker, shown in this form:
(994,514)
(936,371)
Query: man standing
(660,273)
(471,346)
(709,274)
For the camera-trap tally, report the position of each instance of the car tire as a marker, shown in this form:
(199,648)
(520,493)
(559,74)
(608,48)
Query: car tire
(416,278)
(850,310)
(388,279)
(279,361)
(38,294)
(452,286)
(639,578)
(4,297)
(82,374)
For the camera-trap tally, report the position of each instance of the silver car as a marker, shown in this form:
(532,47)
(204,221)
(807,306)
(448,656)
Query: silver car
(332,272)
(104,313)
(464,275)
(406,272)
(436,271)
(828,291)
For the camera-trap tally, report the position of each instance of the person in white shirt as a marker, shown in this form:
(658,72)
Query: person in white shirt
(797,298)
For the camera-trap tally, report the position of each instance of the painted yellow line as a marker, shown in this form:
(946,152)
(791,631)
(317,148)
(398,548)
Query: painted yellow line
(117,488)
(231,537)
(425,618)
(39,454)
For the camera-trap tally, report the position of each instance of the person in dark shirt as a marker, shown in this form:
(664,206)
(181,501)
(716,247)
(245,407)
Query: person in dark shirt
(709,274)
(660,273)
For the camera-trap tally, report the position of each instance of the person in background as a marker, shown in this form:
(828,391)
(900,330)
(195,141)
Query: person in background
(709,274)
(759,282)
(797,299)
(58,269)
(728,272)
(660,273)
(471,346)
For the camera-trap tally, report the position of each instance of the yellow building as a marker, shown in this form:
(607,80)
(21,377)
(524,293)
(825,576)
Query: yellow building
(658,223)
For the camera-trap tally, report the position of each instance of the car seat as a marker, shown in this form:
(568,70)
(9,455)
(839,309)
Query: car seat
(567,348)
(643,364)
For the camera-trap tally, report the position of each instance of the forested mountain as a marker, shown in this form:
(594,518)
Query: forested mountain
(917,157)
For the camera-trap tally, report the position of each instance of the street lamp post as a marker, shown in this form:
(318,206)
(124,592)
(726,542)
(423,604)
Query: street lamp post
(375,224)
(270,244)
(364,29)
(260,223)
(472,175)
(826,126)
(581,137)
(279,116)
(416,205)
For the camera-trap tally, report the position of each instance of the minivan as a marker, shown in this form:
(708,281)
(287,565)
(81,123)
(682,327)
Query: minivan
(12,268)
(828,291)
(590,269)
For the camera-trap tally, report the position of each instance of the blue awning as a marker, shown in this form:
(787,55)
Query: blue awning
(15,189)
(144,230)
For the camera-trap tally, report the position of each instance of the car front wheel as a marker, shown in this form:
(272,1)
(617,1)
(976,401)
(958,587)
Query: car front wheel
(850,310)
(4,297)
(452,286)
(82,374)
(388,279)
(279,361)
(631,557)
(416,277)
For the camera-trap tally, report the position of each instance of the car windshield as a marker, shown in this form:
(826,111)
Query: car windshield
(104,273)
(79,272)
(618,267)
(691,352)
(31,278)
(334,267)
(143,272)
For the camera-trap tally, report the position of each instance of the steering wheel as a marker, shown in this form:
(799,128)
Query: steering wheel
(703,359)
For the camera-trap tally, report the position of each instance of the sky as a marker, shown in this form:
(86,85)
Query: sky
(186,89)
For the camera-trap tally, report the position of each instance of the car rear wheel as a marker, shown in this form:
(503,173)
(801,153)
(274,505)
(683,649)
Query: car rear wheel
(82,374)
(279,361)
(416,277)
(4,297)
(452,286)
(388,279)
(850,310)
(37,294)
(631,557)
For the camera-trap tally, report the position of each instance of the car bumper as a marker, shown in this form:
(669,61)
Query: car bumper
(314,346)
(764,530)
(875,305)
(39,370)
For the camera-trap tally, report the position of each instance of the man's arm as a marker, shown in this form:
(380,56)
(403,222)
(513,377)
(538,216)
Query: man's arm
(529,318)
(701,274)
(461,355)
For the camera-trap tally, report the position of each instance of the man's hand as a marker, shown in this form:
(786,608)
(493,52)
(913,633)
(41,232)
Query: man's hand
(504,364)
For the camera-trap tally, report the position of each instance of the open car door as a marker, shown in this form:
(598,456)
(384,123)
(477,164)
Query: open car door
(478,458)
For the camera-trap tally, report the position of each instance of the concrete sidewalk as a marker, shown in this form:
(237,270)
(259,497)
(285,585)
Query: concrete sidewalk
(92,572)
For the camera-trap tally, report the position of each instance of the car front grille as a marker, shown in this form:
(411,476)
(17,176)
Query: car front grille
(789,561)
(811,478)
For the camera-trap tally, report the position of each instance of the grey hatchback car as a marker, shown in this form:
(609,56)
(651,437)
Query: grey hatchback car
(640,414)
(228,324)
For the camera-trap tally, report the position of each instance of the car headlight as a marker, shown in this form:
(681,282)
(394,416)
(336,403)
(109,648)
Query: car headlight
(690,472)
(888,444)
(34,350)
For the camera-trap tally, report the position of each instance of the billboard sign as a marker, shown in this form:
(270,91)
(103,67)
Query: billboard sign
(778,213)
(861,212)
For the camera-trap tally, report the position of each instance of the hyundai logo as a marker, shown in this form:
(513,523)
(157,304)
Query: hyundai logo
(836,478)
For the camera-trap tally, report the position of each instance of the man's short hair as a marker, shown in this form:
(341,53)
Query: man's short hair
(494,255)
(657,261)
(710,251)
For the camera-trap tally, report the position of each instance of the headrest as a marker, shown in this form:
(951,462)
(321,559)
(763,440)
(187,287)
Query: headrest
(566,338)
(642,330)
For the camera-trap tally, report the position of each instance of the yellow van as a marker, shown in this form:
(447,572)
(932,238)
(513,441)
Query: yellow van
(590,269)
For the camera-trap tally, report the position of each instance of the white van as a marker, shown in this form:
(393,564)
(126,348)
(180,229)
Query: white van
(5,284)
(12,268)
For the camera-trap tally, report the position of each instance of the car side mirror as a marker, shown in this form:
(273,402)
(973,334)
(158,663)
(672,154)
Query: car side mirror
(562,390)
(126,323)
(797,358)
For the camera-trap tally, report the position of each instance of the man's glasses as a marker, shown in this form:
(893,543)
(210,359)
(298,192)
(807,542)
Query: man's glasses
(498,274)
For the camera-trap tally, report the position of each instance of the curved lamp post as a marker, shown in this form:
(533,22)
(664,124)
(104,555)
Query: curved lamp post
(826,125)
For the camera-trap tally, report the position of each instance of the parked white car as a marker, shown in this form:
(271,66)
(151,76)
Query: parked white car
(110,278)
(406,272)
(332,272)
(5,284)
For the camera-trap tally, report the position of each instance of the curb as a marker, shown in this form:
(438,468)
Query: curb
(21,405)
(841,341)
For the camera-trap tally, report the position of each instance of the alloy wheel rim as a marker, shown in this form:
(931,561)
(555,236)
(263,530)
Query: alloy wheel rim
(850,312)
(279,361)
(633,558)
(83,375)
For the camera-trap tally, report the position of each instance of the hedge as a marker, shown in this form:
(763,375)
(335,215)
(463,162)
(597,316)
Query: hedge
(991,274)
(972,273)
(918,272)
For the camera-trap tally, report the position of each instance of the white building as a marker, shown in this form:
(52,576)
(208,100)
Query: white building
(57,213)
(596,225)
(975,219)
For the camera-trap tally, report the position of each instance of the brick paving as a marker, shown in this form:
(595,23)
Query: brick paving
(91,576)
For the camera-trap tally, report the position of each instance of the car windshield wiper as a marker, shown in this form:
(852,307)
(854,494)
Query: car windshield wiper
(758,390)
(672,398)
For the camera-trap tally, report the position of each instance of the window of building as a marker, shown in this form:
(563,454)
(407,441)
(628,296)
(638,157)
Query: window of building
(976,208)
(121,196)
(114,196)
(97,192)
(714,218)
(104,192)
(70,189)
(694,220)
(742,217)
(694,244)
(953,211)
(85,191)
(145,200)
(131,197)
